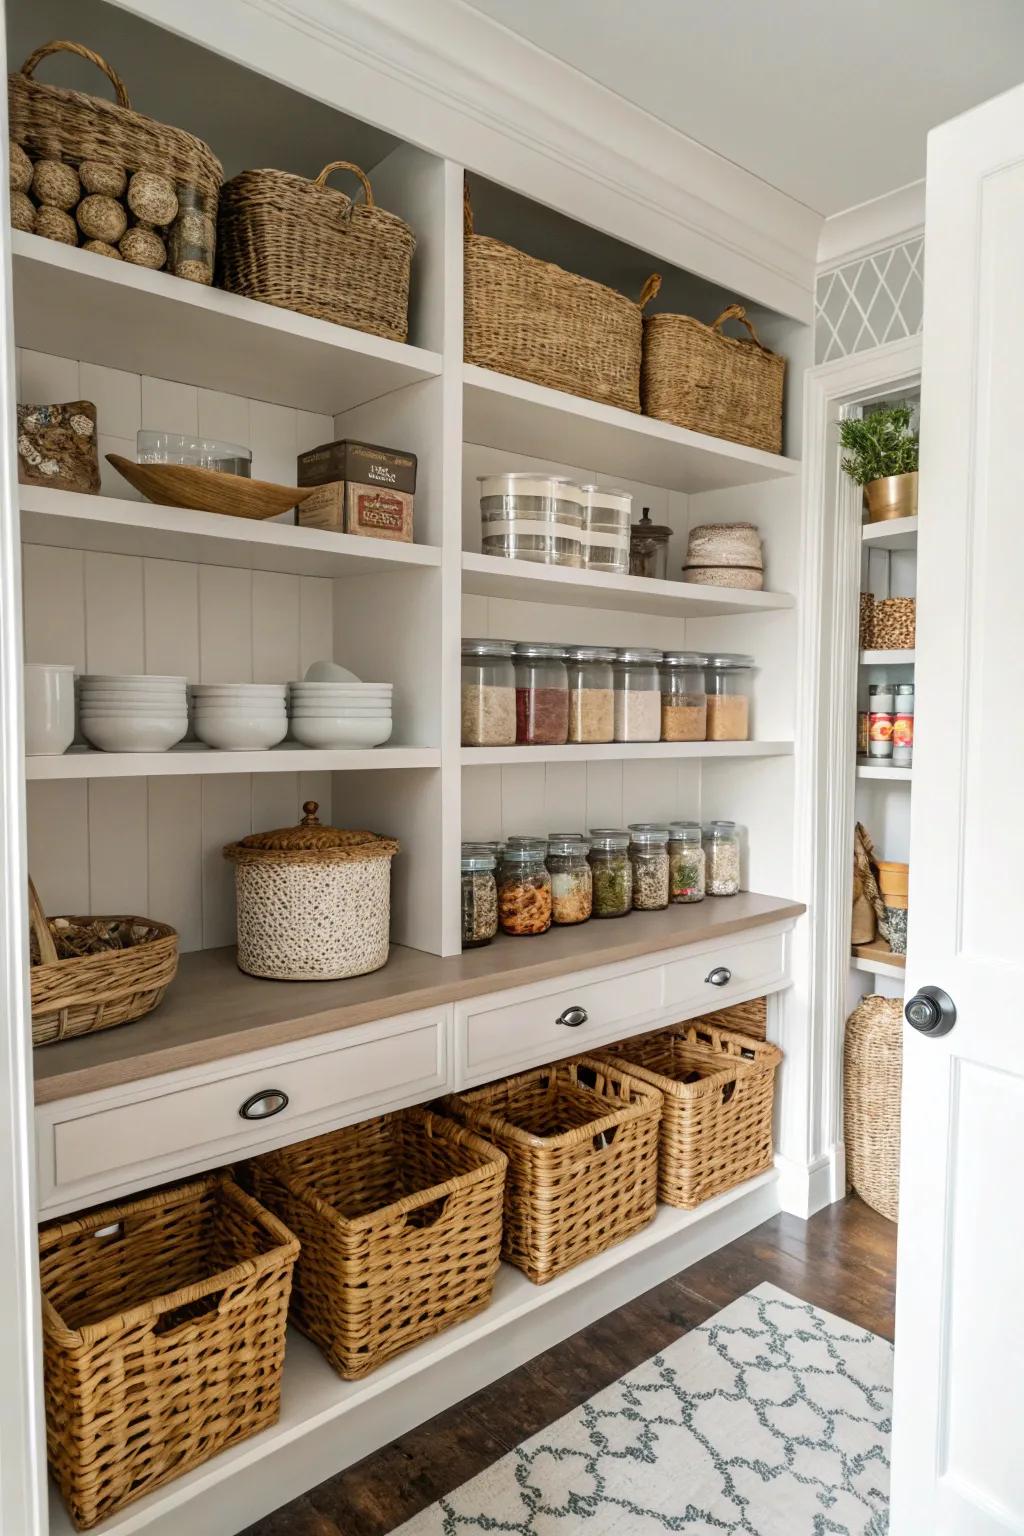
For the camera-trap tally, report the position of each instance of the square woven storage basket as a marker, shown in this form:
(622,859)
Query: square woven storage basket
(399,1219)
(582,1144)
(163,1338)
(741,1018)
(718,1090)
(894,624)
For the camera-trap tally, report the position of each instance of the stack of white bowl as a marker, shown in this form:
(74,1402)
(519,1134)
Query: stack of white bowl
(239,717)
(121,712)
(340,714)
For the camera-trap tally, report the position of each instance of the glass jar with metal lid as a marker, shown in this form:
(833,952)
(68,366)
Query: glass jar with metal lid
(648,548)
(572,886)
(638,694)
(684,704)
(727,679)
(542,695)
(648,854)
(606,515)
(722,852)
(524,891)
(479,896)
(612,871)
(488,693)
(529,516)
(591,692)
(686,862)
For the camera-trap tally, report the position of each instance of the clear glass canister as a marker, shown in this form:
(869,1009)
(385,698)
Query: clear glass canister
(638,695)
(727,679)
(479,896)
(686,862)
(648,854)
(612,872)
(648,548)
(684,704)
(572,884)
(488,694)
(532,517)
(192,239)
(606,516)
(524,891)
(722,853)
(542,695)
(591,693)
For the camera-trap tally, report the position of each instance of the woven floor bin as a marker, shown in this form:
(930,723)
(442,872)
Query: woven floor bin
(696,377)
(305,246)
(718,1089)
(163,1338)
(582,1145)
(399,1219)
(872,1078)
(741,1018)
(533,320)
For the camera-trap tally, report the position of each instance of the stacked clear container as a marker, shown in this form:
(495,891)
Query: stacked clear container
(479,896)
(612,872)
(532,517)
(606,515)
(542,695)
(686,862)
(488,694)
(727,680)
(591,692)
(638,695)
(572,885)
(648,855)
(684,705)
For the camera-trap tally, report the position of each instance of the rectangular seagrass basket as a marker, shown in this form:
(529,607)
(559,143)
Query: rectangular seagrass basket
(400,1224)
(582,1144)
(742,1018)
(718,1090)
(163,1338)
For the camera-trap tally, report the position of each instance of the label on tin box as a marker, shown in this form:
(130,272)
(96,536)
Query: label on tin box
(386,514)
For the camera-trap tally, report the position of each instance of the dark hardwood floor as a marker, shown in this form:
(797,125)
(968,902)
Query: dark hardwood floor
(843,1260)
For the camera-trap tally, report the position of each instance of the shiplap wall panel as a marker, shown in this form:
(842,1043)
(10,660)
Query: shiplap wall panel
(119,846)
(170,590)
(55,620)
(58,844)
(175,854)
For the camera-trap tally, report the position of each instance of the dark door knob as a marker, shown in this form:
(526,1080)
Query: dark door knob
(931,1011)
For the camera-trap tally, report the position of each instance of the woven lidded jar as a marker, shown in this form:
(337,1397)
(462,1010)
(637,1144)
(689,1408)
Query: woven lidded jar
(314,902)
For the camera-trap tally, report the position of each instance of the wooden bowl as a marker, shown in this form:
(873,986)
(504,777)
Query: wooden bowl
(208,490)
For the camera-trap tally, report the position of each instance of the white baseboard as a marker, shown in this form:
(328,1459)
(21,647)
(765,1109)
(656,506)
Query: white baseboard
(807,1188)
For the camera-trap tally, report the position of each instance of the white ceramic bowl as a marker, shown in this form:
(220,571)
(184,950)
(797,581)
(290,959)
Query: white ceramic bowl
(142,711)
(134,691)
(329,672)
(340,714)
(241,733)
(130,679)
(246,690)
(342,693)
(326,732)
(239,707)
(122,733)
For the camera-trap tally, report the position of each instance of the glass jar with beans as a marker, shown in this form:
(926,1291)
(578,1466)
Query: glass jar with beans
(612,872)
(722,852)
(479,896)
(488,693)
(684,711)
(524,890)
(638,694)
(542,695)
(648,854)
(591,692)
(572,886)
(686,862)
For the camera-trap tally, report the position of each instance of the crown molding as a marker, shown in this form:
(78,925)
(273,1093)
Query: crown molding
(873,226)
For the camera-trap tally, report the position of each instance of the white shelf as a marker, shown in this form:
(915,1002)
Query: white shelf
(194,758)
(109,525)
(868,769)
(878,968)
(887,658)
(897,533)
(73,304)
(502,412)
(616,751)
(488,576)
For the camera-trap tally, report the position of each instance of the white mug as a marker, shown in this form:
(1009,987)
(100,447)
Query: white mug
(49,708)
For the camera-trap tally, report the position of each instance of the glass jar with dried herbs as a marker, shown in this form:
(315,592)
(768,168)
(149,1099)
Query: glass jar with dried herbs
(686,862)
(479,896)
(612,872)
(572,886)
(524,890)
(648,854)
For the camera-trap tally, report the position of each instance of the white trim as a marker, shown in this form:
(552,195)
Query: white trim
(805,1189)
(869,227)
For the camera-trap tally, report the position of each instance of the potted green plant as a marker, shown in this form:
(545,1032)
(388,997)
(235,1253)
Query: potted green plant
(881,454)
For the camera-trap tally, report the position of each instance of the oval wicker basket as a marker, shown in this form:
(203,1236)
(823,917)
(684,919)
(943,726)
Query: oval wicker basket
(872,1080)
(533,320)
(302,245)
(79,993)
(695,377)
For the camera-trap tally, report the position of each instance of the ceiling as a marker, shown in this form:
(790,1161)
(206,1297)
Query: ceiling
(829,102)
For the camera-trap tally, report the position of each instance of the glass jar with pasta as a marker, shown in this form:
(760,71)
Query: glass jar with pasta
(524,891)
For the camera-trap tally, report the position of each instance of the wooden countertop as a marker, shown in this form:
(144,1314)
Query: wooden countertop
(213,1011)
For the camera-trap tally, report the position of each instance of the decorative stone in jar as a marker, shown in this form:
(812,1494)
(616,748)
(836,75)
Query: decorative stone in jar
(314,902)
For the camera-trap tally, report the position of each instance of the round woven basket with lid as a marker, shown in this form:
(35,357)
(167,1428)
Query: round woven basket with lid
(314,902)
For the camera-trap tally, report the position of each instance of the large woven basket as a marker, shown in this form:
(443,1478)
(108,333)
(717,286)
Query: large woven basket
(535,321)
(718,1090)
(303,245)
(741,1018)
(872,1079)
(582,1145)
(696,377)
(91,973)
(163,1338)
(399,1219)
(52,123)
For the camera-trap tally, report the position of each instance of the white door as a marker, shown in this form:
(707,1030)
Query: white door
(958,1441)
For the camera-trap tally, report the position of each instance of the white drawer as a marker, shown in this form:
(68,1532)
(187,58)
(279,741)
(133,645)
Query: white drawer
(742,968)
(107,1142)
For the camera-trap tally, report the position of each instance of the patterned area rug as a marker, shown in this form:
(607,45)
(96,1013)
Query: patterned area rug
(772,1419)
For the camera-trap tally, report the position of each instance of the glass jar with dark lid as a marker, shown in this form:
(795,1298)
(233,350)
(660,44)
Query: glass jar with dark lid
(542,695)
(648,547)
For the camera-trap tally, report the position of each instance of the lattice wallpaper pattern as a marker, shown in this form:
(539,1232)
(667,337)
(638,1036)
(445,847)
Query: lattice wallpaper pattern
(869,302)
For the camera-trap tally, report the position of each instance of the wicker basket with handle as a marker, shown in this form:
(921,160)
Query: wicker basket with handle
(696,377)
(582,1144)
(872,1081)
(91,973)
(305,246)
(718,1089)
(399,1219)
(163,1338)
(741,1018)
(535,321)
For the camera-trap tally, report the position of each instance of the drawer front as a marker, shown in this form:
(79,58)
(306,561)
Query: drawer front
(733,971)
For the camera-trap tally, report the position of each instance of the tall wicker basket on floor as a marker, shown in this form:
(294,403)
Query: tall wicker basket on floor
(400,1224)
(718,1090)
(582,1144)
(163,1337)
(872,1079)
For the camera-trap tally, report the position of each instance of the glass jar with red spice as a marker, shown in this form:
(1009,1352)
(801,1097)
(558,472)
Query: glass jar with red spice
(542,695)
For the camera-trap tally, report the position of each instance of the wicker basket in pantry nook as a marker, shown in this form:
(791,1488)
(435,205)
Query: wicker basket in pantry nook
(399,1219)
(163,1338)
(582,1145)
(872,1079)
(90,973)
(55,124)
(718,1090)
(535,321)
(696,377)
(305,246)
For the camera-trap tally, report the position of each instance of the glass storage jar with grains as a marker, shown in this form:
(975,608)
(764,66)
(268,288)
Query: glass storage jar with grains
(591,693)
(524,890)
(684,705)
(532,517)
(488,694)
(722,852)
(571,881)
(479,896)
(686,863)
(612,872)
(637,695)
(728,687)
(542,695)
(648,854)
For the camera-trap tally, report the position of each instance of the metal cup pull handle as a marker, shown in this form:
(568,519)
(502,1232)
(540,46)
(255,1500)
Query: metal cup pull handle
(260,1106)
(573,1017)
(720,976)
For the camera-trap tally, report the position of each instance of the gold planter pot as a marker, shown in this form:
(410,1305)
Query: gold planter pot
(895,496)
